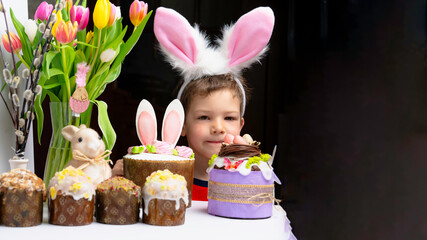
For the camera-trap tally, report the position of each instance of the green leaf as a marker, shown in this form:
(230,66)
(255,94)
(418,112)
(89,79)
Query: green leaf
(49,86)
(54,72)
(69,58)
(109,136)
(49,56)
(39,114)
(130,43)
(80,57)
(25,42)
(81,38)
(114,31)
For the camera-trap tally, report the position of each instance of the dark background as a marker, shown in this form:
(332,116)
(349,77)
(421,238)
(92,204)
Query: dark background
(342,92)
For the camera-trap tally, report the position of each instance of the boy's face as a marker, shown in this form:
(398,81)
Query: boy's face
(208,119)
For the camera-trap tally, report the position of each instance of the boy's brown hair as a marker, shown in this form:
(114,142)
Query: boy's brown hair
(208,84)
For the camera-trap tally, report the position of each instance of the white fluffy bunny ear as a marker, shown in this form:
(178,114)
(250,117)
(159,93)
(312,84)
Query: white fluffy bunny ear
(179,41)
(245,42)
(185,47)
(173,122)
(146,123)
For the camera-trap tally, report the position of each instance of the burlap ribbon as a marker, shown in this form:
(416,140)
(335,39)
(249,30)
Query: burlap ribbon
(98,160)
(269,197)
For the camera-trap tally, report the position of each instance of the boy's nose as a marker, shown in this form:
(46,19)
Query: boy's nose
(217,128)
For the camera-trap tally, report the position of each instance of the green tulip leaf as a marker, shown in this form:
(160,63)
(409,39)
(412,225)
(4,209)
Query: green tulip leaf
(109,136)
(25,42)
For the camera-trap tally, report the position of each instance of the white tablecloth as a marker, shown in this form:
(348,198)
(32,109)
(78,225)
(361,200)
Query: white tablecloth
(199,225)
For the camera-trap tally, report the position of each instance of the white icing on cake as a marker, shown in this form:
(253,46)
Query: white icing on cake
(165,185)
(242,168)
(73,182)
(155,157)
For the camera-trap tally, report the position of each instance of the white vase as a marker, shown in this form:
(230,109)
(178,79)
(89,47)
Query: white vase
(18,163)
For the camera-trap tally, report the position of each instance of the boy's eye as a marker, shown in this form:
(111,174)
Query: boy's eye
(203,118)
(230,118)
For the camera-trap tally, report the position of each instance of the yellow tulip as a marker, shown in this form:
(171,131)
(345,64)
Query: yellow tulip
(58,20)
(89,36)
(101,13)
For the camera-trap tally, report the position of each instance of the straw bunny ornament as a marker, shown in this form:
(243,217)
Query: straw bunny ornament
(146,126)
(189,51)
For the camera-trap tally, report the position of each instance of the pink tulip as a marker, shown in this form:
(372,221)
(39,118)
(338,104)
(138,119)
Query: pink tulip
(112,18)
(15,42)
(137,12)
(43,11)
(80,15)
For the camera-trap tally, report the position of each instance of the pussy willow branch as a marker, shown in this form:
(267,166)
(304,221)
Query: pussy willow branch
(1,95)
(32,81)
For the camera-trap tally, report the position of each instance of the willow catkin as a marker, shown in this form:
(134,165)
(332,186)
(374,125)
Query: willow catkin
(15,82)
(16,100)
(7,76)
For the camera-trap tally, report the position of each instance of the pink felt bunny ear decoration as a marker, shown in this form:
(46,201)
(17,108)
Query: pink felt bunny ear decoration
(175,34)
(247,39)
(173,122)
(146,124)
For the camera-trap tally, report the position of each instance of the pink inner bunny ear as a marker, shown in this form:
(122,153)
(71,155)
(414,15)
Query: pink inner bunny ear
(172,128)
(146,124)
(175,34)
(146,128)
(250,35)
(173,122)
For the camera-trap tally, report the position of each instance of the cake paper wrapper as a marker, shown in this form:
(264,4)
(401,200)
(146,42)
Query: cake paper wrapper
(116,207)
(20,209)
(66,211)
(139,170)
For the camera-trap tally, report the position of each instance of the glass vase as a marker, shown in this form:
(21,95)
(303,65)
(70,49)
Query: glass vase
(59,152)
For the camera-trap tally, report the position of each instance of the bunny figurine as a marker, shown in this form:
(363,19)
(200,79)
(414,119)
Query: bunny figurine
(89,152)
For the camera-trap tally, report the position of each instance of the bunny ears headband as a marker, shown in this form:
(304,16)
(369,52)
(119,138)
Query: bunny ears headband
(189,51)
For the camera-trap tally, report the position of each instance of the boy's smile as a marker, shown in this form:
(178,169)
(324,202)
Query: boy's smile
(207,121)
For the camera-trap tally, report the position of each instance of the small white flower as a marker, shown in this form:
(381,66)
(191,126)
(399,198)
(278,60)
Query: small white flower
(31,29)
(118,13)
(108,55)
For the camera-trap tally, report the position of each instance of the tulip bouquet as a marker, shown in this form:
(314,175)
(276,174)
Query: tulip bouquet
(29,45)
(83,62)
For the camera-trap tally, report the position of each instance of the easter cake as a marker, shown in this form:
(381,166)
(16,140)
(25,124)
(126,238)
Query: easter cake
(21,198)
(71,198)
(241,181)
(155,155)
(165,199)
(117,201)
